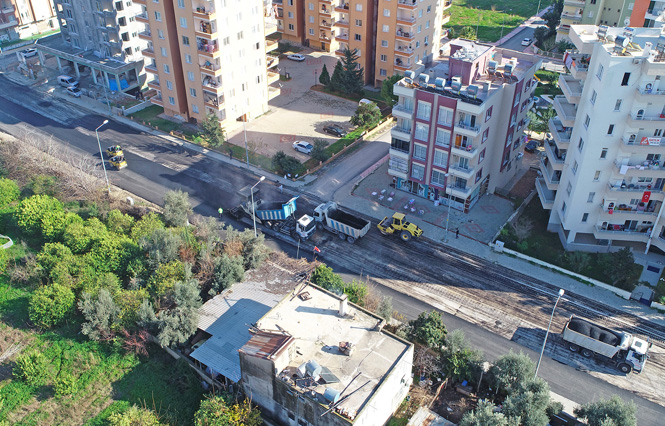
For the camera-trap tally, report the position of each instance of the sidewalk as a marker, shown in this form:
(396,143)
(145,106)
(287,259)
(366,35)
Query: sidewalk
(521,27)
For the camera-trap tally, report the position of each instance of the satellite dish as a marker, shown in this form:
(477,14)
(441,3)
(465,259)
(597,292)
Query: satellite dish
(626,21)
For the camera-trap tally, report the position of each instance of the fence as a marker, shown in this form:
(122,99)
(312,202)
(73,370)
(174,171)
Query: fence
(135,108)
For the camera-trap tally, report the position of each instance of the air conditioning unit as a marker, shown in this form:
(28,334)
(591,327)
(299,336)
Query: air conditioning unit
(636,61)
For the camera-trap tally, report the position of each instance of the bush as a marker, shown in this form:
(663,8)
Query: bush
(285,164)
(228,270)
(429,330)
(319,152)
(100,312)
(65,385)
(176,208)
(31,368)
(50,305)
(79,236)
(162,245)
(9,191)
(323,276)
(44,185)
(367,115)
(134,416)
(117,221)
(41,216)
(223,411)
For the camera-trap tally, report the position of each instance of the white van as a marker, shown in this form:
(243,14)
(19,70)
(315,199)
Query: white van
(364,101)
(67,81)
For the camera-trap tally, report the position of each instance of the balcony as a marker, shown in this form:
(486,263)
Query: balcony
(145,35)
(157,100)
(396,152)
(273,92)
(325,24)
(633,188)
(404,51)
(406,20)
(574,17)
(211,69)
(565,111)
(579,66)
(645,167)
(209,50)
(341,23)
(459,191)
(465,172)
(206,15)
(572,89)
(151,68)
(617,232)
(205,31)
(647,94)
(342,36)
(545,195)
(642,141)
(407,4)
(402,65)
(154,84)
(556,160)
(212,86)
(342,8)
(625,209)
(402,133)
(271,45)
(149,52)
(403,111)
(273,77)
(325,11)
(574,3)
(142,17)
(467,129)
(641,120)
(552,177)
(339,52)
(405,35)
(560,134)
(324,36)
(272,61)
(464,150)
(270,27)
(214,102)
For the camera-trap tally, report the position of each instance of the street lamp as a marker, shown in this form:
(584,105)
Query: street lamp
(101,155)
(448,215)
(548,332)
(253,207)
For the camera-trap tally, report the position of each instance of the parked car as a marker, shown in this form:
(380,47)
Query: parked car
(335,130)
(74,91)
(526,42)
(29,53)
(296,57)
(531,146)
(302,146)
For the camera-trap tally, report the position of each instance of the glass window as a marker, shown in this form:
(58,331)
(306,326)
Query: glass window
(183,22)
(424,110)
(163,49)
(158,17)
(419,151)
(580,145)
(422,131)
(440,158)
(488,114)
(386,12)
(417,171)
(599,74)
(190,76)
(438,178)
(171,100)
(593,97)
(188,58)
(591,197)
(442,137)
(596,176)
(575,166)
(617,105)
(445,116)
(585,217)
(192,92)
(386,28)
(384,43)
(195,109)
(383,72)
(169,85)
(603,153)
(167,70)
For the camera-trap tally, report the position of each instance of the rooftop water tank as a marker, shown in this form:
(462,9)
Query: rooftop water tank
(331,395)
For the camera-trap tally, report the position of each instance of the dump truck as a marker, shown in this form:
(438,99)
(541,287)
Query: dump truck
(347,226)
(277,215)
(398,225)
(629,352)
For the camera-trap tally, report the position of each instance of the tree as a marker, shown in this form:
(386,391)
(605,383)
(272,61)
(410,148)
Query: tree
(41,216)
(620,269)
(285,163)
(163,279)
(529,405)
(177,324)
(367,115)
(101,314)
(65,384)
(176,208)
(540,34)
(325,76)
(9,191)
(540,119)
(162,245)
(429,330)
(459,359)
(212,131)
(50,305)
(385,308)
(608,412)
(319,151)
(224,411)
(134,416)
(31,368)
(336,79)
(146,226)
(522,227)
(323,276)
(563,45)
(250,247)
(484,415)
(387,89)
(44,185)
(228,271)
(79,236)
(512,372)
(117,221)
(353,78)
(468,33)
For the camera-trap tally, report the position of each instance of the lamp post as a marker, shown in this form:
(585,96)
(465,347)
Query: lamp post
(101,155)
(561,292)
(448,215)
(253,206)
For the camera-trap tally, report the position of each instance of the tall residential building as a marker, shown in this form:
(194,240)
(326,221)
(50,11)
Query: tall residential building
(603,174)
(210,57)
(24,18)
(648,13)
(460,125)
(391,37)
(595,12)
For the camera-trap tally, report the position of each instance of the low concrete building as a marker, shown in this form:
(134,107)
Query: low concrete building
(25,18)
(315,359)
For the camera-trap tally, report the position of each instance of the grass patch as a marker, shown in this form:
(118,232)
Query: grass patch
(7,44)
(549,83)
(489,16)
(150,115)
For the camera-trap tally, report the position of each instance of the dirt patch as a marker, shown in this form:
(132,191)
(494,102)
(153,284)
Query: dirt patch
(525,185)
(452,405)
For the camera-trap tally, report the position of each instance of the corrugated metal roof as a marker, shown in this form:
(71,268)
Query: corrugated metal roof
(265,344)
(426,417)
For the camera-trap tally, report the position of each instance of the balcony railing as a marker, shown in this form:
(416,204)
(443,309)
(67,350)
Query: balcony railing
(619,229)
(642,117)
(405,34)
(403,108)
(208,48)
(466,147)
(408,3)
(465,126)
(645,91)
(633,188)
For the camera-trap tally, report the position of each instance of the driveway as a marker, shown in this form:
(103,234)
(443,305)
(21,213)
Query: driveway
(298,113)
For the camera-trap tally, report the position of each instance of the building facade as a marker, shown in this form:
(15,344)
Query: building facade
(190,48)
(603,173)
(460,126)
(24,18)
(597,12)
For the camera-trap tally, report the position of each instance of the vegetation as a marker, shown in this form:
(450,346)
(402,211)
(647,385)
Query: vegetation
(548,83)
(324,78)
(225,411)
(387,89)
(608,412)
(324,276)
(347,77)
(285,164)
(212,132)
(366,115)
(319,152)
(540,119)
(176,208)
(428,329)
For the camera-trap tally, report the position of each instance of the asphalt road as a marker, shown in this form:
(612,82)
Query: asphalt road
(514,43)
(156,166)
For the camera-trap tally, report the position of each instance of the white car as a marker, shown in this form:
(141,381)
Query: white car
(296,57)
(526,42)
(302,146)
(28,53)
(74,91)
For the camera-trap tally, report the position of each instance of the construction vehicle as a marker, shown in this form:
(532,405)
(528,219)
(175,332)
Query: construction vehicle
(348,227)
(114,150)
(118,162)
(398,225)
(278,216)
(629,352)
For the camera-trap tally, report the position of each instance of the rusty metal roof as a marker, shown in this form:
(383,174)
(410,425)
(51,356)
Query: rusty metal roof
(266,344)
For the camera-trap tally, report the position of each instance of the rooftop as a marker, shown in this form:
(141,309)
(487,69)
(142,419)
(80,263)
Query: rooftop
(622,41)
(56,43)
(317,329)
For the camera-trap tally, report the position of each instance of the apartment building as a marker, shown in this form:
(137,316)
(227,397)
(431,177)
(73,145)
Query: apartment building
(596,12)
(460,125)
(25,18)
(603,173)
(390,37)
(210,57)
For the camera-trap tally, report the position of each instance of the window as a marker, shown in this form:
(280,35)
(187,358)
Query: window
(442,137)
(311,31)
(188,58)
(419,151)
(585,216)
(192,92)
(575,166)
(440,158)
(158,17)
(226,40)
(167,70)
(357,37)
(359,22)
(160,34)
(190,76)
(617,105)
(438,178)
(445,116)
(420,27)
(591,196)
(422,131)
(479,175)
(481,156)
(610,129)
(563,208)
(488,114)
(386,12)
(593,97)
(599,74)
(240,35)
(424,110)
(624,80)
(580,145)
(195,109)
(569,188)
(291,27)
(163,50)
(311,19)
(171,100)
(384,58)
(382,72)
(384,43)
(587,121)
(386,28)
(603,153)
(181,4)
(311,6)
(359,7)
(400,145)
(169,85)
(486,134)
(183,22)
(417,172)
(596,176)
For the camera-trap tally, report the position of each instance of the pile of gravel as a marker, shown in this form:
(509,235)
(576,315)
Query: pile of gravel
(598,333)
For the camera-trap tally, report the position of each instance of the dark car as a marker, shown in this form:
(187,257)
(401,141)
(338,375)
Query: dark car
(531,146)
(335,130)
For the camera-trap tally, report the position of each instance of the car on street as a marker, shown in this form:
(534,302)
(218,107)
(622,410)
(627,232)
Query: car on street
(28,53)
(531,146)
(296,57)
(118,162)
(302,146)
(114,150)
(335,130)
(526,42)
(539,22)
(74,91)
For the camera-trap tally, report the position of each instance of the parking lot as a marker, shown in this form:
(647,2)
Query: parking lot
(298,113)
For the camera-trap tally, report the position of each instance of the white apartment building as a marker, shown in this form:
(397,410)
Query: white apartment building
(603,171)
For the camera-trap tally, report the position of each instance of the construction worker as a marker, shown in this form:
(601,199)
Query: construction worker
(220,211)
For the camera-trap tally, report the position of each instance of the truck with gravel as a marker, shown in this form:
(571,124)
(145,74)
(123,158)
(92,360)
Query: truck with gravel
(347,226)
(629,352)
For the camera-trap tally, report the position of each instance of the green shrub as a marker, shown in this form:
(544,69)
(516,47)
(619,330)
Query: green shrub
(50,305)
(285,164)
(79,236)
(134,416)
(41,216)
(117,221)
(44,185)
(31,368)
(146,226)
(9,191)
(319,151)
(64,385)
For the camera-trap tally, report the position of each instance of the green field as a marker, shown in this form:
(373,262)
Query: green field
(488,16)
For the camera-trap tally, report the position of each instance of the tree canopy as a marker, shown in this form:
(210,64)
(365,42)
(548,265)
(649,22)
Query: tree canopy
(608,412)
